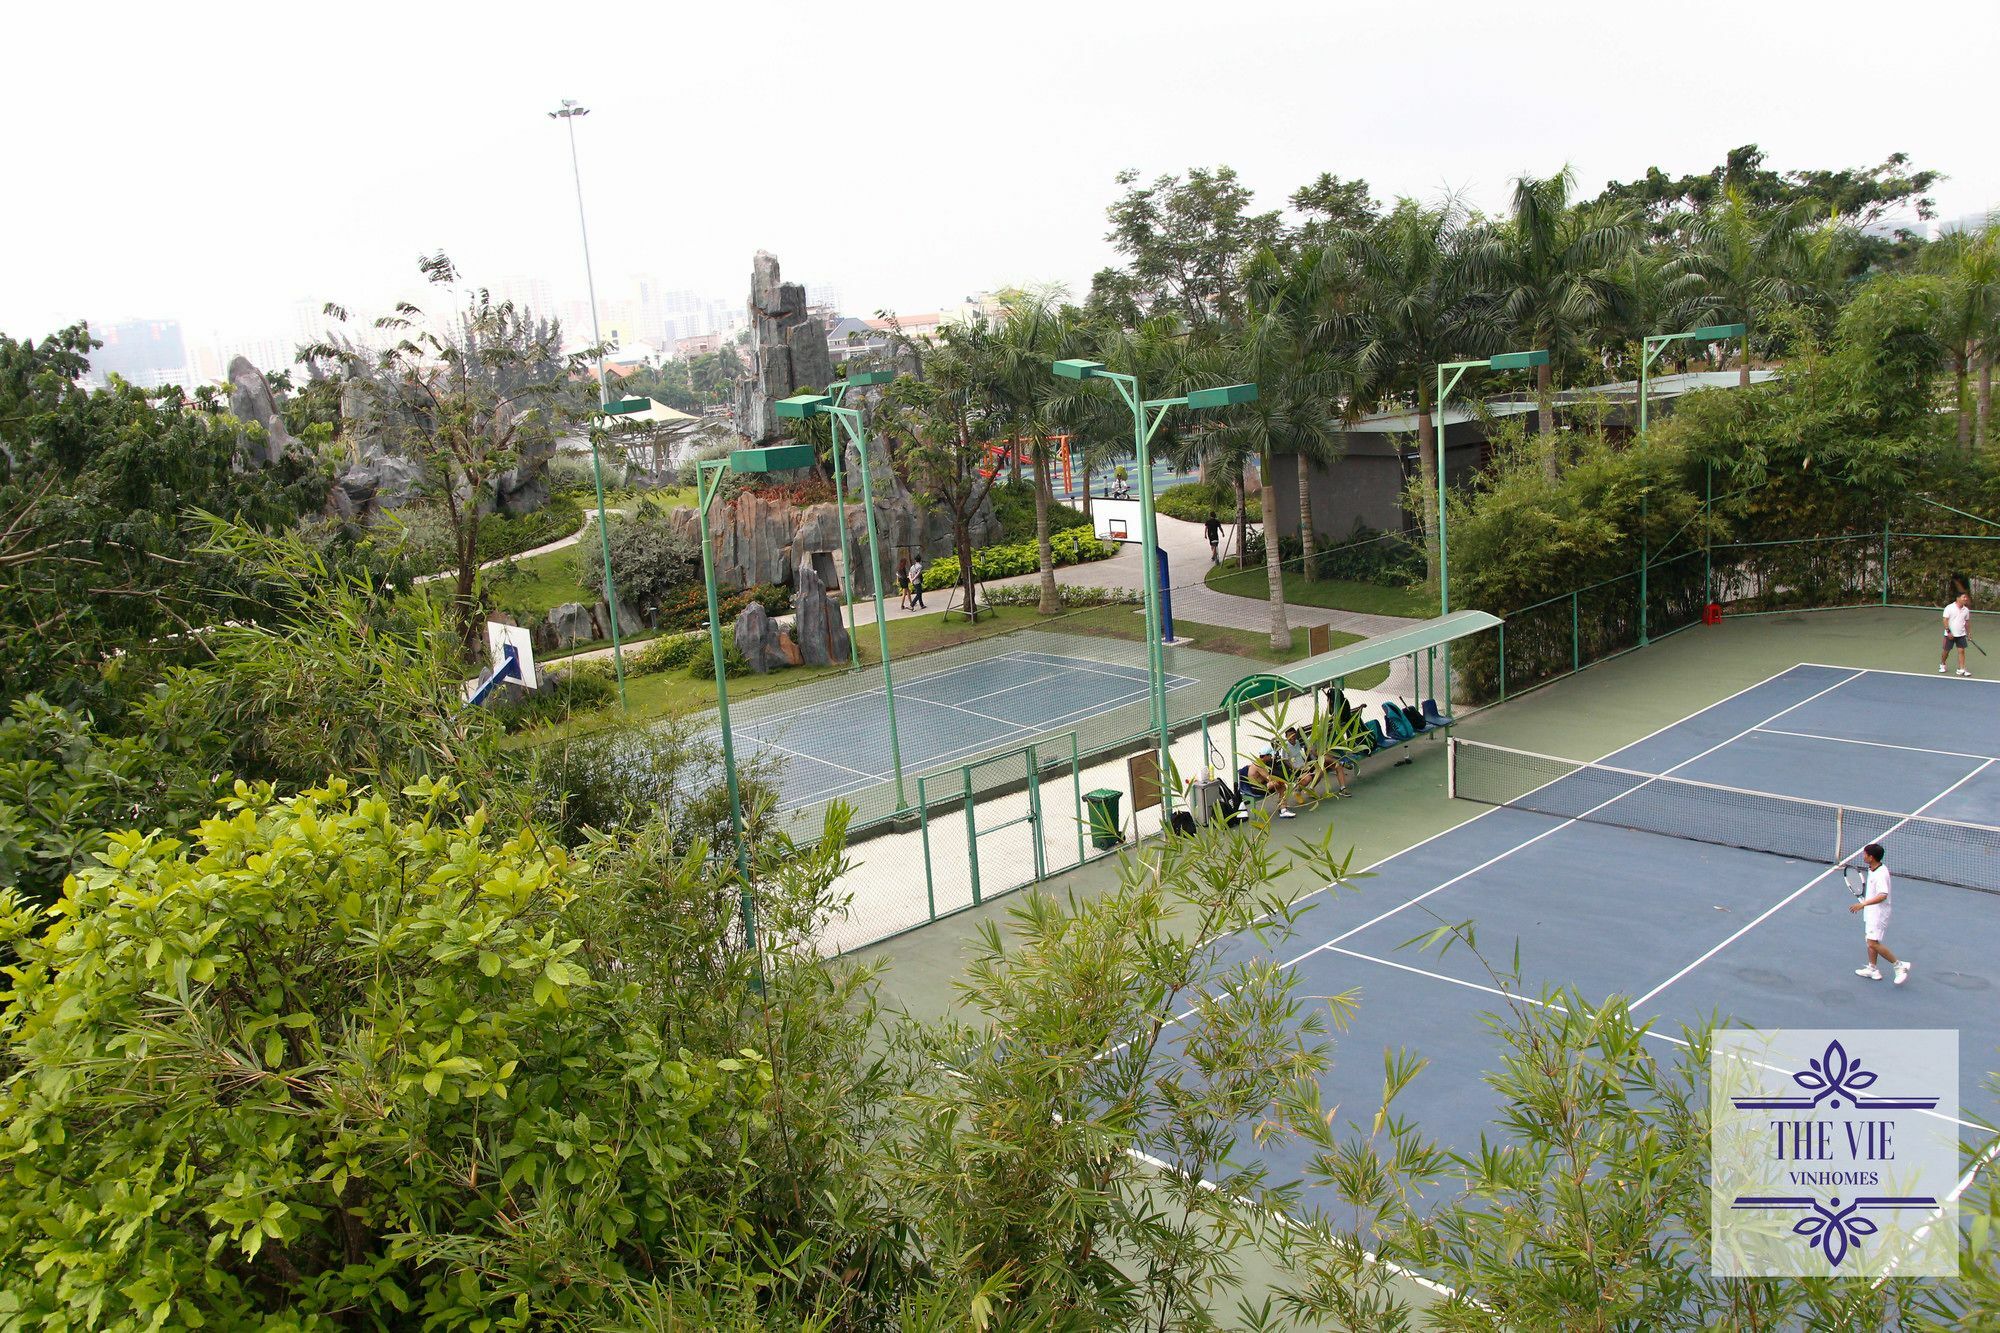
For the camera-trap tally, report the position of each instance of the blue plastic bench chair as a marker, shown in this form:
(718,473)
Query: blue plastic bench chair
(1432,716)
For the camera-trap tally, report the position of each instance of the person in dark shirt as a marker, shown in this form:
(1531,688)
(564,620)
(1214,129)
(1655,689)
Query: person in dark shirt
(1214,530)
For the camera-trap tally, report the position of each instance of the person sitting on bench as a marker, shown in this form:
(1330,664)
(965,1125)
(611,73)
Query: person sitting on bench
(1267,774)
(1299,756)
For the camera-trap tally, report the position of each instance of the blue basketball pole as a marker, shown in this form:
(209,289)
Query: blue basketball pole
(1166,597)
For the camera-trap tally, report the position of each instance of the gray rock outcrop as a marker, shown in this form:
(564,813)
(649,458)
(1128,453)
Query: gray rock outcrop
(250,399)
(569,625)
(762,641)
(760,539)
(787,350)
(822,639)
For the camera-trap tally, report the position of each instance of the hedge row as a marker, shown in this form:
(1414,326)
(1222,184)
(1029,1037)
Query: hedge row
(999,562)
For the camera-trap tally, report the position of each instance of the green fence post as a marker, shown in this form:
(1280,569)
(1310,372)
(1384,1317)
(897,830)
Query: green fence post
(1885,560)
(1035,815)
(971,834)
(1503,661)
(1707,535)
(1644,552)
(1575,636)
(924,826)
(1076,792)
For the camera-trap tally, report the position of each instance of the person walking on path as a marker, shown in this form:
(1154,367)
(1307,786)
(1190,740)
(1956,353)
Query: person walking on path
(917,584)
(1957,627)
(1874,911)
(903,584)
(1214,529)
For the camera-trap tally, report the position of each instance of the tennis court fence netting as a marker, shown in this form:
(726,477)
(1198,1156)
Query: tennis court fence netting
(1943,851)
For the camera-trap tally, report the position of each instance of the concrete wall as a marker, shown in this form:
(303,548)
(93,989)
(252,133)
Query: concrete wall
(1365,486)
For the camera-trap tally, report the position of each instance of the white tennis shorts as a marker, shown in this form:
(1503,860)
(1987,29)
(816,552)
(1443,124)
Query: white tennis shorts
(1874,920)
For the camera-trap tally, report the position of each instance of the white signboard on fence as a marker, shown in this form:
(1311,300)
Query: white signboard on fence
(1116,520)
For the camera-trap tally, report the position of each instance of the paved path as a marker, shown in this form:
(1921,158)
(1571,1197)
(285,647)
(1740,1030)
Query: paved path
(558,544)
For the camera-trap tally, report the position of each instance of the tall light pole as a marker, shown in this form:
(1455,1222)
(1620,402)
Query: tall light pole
(1501,361)
(1650,348)
(568,116)
(1147,414)
(831,404)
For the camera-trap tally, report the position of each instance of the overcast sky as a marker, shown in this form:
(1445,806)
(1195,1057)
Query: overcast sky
(218,163)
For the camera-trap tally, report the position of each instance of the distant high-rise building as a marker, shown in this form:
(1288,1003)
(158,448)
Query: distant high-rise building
(826,296)
(148,352)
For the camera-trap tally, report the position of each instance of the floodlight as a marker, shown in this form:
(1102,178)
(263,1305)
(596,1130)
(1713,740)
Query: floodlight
(1222,396)
(799,405)
(776,457)
(1520,360)
(1078,370)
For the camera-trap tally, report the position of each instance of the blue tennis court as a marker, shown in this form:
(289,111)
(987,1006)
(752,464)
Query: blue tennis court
(841,746)
(1681,877)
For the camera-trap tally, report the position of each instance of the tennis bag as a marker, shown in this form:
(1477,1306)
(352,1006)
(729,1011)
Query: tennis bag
(1418,723)
(1395,723)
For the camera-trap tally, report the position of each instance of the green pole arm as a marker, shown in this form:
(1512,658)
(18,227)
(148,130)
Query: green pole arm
(1444,388)
(610,584)
(1936,504)
(708,482)
(838,392)
(851,419)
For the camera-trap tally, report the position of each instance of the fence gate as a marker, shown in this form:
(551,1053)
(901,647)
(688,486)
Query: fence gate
(985,830)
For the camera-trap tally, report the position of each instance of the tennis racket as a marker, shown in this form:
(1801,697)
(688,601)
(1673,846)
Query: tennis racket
(1857,881)
(1975,643)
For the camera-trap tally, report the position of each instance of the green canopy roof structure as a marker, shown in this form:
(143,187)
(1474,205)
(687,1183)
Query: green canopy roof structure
(1326,668)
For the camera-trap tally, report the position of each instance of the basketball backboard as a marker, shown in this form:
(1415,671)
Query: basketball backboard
(500,637)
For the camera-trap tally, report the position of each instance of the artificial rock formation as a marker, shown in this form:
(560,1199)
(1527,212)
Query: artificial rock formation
(822,639)
(762,641)
(250,399)
(787,350)
(764,539)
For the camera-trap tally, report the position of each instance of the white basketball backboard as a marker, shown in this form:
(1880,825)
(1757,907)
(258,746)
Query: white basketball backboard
(499,637)
(1116,520)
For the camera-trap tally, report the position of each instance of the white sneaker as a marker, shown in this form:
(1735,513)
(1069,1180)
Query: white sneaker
(1868,972)
(1902,973)
(1940,668)
(1963,672)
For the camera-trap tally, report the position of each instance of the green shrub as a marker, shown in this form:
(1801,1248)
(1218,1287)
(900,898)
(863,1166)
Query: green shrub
(999,562)
(299,1071)
(1071,596)
(1014,506)
(650,561)
(687,608)
(702,667)
(1192,502)
(510,534)
(668,652)
(578,687)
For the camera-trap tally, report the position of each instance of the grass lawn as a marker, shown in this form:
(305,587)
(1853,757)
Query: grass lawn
(539,583)
(1335,594)
(664,692)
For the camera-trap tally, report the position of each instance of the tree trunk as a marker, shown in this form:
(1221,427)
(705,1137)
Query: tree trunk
(1545,418)
(1427,472)
(1044,551)
(1306,544)
(961,537)
(1743,366)
(1281,633)
(1014,463)
(468,574)
(1242,519)
(1962,403)
(1980,424)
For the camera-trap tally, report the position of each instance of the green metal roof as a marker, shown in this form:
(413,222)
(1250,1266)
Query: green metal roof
(1326,668)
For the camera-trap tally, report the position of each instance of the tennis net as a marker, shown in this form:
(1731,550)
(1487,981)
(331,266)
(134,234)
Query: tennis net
(1945,851)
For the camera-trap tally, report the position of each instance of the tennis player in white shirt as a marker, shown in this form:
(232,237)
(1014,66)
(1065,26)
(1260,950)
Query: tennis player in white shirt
(1957,625)
(1874,909)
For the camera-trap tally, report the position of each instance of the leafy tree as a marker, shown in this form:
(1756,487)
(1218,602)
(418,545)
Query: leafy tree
(938,424)
(467,401)
(1423,305)
(1744,264)
(649,560)
(1556,269)
(1331,208)
(98,561)
(1969,262)
(1187,241)
(1863,195)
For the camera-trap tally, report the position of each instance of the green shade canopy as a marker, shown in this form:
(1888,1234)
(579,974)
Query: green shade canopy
(1520,360)
(868,377)
(620,407)
(774,458)
(1078,370)
(798,405)
(1717,332)
(1327,668)
(1222,396)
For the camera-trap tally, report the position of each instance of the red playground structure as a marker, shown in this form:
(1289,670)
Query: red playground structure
(1006,453)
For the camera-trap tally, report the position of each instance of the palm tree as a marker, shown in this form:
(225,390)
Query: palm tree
(1969,262)
(1028,339)
(1557,269)
(1420,304)
(1745,263)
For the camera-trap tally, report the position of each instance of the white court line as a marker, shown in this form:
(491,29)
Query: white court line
(1573,819)
(1754,923)
(1880,745)
(1956,681)
(800,754)
(1545,1004)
